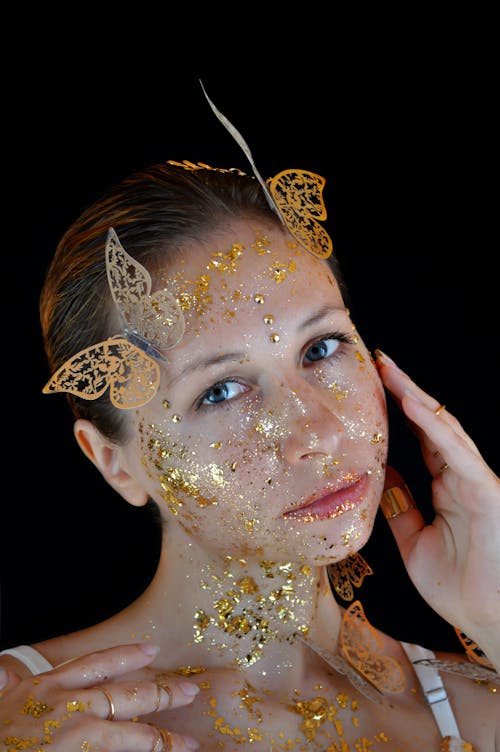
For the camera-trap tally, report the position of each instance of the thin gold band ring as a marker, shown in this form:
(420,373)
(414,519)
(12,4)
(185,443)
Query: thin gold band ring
(111,713)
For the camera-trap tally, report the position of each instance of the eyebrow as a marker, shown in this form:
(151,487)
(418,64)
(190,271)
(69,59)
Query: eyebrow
(321,314)
(231,357)
(202,363)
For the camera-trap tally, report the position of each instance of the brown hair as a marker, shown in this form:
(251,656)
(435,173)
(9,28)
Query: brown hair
(153,211)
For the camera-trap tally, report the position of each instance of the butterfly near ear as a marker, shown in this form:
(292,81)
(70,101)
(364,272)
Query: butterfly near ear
(126,364)
(131,376)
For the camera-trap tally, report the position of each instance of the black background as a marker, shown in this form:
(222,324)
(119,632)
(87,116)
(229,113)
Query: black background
(401,126)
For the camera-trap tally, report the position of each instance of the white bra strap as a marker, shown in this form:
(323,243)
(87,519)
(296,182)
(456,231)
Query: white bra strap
(31,658)
(434,690)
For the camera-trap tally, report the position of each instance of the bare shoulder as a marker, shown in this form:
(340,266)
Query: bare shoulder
(475,700)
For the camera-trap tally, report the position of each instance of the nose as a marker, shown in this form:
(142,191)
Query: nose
(313,428)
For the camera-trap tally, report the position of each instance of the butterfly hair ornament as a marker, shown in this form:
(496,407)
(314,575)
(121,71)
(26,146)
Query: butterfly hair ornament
(296,196)
(127,363)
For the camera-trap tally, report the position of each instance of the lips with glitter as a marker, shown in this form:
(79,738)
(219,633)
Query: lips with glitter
(333,504)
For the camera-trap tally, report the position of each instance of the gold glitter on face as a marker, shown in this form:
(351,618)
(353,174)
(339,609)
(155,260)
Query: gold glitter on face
(263,429)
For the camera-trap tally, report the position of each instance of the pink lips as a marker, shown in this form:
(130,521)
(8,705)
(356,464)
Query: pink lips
(333,504)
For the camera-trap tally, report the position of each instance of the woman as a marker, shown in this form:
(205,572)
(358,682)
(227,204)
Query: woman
(195,318)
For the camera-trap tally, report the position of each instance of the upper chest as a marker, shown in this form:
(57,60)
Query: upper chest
(324,714)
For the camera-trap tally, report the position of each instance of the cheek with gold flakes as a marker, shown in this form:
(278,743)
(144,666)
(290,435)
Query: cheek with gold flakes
(210,472)
(170,463)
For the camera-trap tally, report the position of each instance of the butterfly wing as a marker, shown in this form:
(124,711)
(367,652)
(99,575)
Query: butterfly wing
(473,651)
(131,376)
(299,197)
(462,668)
(163,320)
(129,281)
(346,573)
(340,665)
(362,648)
(158,319)
(338,575)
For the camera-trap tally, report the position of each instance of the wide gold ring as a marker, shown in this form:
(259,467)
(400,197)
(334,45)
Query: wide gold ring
(111,713)
(439,409)
(396,501)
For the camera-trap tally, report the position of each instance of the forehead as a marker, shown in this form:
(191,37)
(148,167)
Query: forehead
(244,267)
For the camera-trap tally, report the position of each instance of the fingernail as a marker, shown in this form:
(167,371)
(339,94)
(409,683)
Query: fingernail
(4,678)
(189,688)
(396,501)
(150,649)
(385,358)
(191,743)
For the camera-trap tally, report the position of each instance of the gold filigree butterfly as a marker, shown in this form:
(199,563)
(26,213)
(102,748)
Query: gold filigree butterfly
(299,197)
(477,667)
(361,659)
(472,650)
(295,195)
(125,364)
(349,572)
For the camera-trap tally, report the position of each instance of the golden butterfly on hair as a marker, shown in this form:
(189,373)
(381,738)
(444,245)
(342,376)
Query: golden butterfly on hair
(126,364)
(361,658)
(296,196)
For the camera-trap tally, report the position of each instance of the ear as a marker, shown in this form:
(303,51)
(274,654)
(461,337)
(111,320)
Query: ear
(110,461)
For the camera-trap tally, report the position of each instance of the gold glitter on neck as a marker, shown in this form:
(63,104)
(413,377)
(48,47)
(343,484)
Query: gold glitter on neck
(259,298)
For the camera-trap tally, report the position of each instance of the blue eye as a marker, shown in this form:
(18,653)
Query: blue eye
(322,348)
(221,392)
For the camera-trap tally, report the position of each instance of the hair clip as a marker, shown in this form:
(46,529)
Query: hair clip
(295,195)
(125,363)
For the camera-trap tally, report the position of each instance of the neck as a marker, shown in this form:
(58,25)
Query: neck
(243,612)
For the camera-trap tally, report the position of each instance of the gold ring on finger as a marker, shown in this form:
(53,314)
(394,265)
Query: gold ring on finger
(158,698)
(111,713)
(163,743)
(169,692)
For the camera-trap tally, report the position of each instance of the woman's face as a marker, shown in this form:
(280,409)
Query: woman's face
(268,435)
